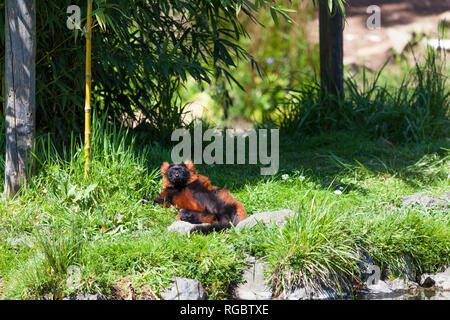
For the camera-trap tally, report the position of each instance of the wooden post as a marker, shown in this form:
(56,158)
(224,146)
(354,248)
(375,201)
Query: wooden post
(88,78)
(331,29)
(20,113)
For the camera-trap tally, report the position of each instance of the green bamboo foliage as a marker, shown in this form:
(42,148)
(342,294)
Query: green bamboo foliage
(144,50)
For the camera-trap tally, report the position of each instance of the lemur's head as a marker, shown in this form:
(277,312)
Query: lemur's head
(178,174)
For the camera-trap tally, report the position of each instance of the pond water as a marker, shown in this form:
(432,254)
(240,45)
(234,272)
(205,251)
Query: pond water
(415,294)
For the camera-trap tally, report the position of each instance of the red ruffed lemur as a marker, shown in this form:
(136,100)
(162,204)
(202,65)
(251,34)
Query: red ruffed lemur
(196,199)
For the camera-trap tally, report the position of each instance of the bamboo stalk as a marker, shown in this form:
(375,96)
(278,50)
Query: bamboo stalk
(88,78)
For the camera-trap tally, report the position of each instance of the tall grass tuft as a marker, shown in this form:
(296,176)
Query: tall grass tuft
(60,211)
(415,111)
(316,246)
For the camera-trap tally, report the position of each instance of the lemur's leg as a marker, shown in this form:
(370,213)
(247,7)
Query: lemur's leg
(208,228)
(196,217)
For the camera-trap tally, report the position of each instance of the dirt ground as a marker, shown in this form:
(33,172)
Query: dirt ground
(400,21)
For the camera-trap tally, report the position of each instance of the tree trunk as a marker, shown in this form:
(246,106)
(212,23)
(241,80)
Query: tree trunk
(331,48)
(20,113)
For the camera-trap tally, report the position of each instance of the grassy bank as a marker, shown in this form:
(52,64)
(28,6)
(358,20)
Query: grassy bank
(344,174)
(99,225)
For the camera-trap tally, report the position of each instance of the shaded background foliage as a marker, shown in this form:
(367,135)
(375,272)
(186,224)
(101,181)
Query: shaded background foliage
(149,57)
(286,58)
(142,51)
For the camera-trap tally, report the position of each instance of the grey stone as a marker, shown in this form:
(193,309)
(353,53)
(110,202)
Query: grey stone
(406,271)
(401,285)
(426,281)
(418,199)
(255,287)
(183,227)
(85,296)
(336,288)
(408,268)
(397,285)
(379,287)
(297,294)
(267,218)
(314,292)
(439,280)
(366,265)
(442,280)
(184,289)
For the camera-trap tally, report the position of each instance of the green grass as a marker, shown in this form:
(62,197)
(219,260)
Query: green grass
(416,109)
(68,234)
(99,225)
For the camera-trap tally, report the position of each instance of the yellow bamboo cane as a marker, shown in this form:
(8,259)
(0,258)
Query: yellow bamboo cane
(88,78)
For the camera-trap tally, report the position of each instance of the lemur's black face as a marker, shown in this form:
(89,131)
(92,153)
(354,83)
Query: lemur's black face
(178,174)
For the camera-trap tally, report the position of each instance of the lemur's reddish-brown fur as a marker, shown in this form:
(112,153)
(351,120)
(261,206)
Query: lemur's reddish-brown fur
(200,202)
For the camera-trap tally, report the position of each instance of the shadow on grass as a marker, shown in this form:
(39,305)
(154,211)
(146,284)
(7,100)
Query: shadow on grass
(326,157)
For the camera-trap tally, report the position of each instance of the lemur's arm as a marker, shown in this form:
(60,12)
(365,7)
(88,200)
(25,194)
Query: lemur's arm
(163,199)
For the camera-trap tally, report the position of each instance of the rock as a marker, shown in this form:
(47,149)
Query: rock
(439,280)
(267,218)
(367,267)
(296,294)
(406,271)
(378,291)
(379,287)
(426,281)
(184,289)
(421,200)
(183,227)
(442,280)
(255,287)
(86,296)
(302,293)
(397,285)
(318,290)
(446,197)
(401,285)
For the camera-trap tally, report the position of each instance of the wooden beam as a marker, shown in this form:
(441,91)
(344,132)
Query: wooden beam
(331,29)
(20,113)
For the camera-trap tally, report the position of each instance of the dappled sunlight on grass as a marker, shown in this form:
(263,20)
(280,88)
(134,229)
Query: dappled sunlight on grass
(351,195)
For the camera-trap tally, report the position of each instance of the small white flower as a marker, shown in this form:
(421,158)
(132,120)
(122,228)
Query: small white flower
(341,188)
(338,192)
(302,178)
(285,176)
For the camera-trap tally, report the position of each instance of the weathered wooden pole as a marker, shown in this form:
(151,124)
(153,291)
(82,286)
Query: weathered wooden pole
(88,78)
(331,27)
(20,111)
